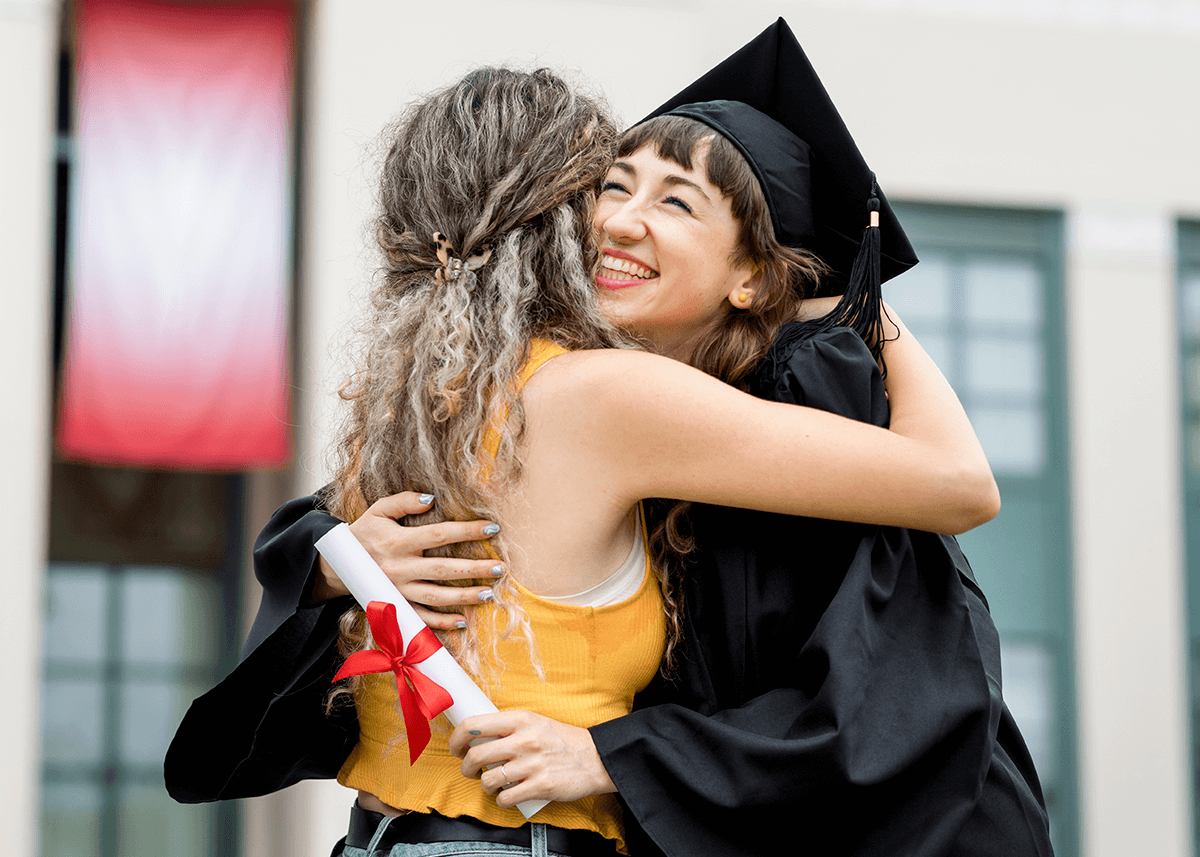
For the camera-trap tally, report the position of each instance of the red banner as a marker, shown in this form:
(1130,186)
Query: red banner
(181,227)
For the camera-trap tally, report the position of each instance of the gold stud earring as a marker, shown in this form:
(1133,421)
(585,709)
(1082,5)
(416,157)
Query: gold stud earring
(743,297)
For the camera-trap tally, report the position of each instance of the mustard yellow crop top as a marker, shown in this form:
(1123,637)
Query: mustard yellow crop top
(594,658)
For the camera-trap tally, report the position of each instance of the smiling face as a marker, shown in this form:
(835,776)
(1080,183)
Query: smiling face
(668,238)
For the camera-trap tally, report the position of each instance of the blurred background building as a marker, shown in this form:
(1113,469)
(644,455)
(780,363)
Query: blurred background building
(184,189)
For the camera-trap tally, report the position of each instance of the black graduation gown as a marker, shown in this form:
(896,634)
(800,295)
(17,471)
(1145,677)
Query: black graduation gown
(838,684)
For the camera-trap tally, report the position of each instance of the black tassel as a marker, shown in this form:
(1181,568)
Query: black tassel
(861,305)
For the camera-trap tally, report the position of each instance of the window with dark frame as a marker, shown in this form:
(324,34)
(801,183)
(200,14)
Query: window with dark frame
(1188,232)
(986,303)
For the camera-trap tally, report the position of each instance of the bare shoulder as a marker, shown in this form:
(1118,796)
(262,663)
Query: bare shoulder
(612,391)
(606,372)
(613,421)
(624,406)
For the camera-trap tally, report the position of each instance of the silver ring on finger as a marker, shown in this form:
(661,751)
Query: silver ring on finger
(504,774)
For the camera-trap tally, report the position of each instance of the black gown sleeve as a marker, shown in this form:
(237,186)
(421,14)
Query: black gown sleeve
(264,727)
(870,737)
(832,691)
(285,563)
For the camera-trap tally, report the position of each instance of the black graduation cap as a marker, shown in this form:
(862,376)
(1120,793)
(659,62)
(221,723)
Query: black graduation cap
(767,100)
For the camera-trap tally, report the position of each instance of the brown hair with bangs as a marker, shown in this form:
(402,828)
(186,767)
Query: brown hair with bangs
(787,275)
(732,349)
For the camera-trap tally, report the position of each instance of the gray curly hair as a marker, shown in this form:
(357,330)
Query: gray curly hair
(503,160)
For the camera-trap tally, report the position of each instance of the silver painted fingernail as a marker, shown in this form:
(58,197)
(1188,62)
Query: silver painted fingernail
(425,499)
(460,624)
(497,570)
(486,595)
(491,529)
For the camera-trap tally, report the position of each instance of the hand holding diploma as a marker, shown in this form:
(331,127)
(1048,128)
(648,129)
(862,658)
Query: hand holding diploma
(367,583)
(533,757)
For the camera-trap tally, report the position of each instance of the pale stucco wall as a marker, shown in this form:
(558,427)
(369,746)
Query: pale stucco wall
(28,47)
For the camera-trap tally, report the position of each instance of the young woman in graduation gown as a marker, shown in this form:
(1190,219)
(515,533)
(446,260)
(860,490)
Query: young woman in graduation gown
(836,684)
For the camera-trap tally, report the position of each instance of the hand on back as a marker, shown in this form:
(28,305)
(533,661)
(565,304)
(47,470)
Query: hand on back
(399,550)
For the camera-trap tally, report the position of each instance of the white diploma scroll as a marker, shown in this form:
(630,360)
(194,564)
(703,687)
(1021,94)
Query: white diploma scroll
(367,582)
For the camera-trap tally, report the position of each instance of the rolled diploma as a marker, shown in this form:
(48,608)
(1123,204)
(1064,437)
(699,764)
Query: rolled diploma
(367,582)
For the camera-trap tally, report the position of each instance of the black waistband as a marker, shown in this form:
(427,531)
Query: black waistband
(431,827)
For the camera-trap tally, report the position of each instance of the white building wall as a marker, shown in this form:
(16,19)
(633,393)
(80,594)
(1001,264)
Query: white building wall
(1131,650)
(1084,106)
(28,48)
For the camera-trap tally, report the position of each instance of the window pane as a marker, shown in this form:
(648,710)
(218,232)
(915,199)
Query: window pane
(151,824)
(1004,366)
(940,349)
(170,617)
(1191,379)
(1012,557)
(76,614)
(71,820)
(1003,291)
(72,713)
(1012,438)
(150,713)
(1189,307)
(1029,691)
(1193,444)
(922,295)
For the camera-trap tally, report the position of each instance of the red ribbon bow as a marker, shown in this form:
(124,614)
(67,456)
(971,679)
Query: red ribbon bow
(425,699)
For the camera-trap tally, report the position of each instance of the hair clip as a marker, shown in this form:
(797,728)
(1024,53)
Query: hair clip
(452,266)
